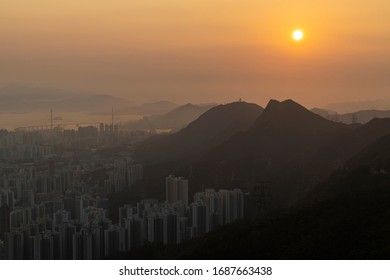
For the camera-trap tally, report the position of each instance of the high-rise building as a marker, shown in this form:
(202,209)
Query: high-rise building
(4,220)
(183,224)
(199,218)
(171,229)
(237,204)
(176,189)
(182,191)
(155,229)
(133,173)
(14,246)
(7,198)
(19,217)
(171,189)
(114,240)
(60,217)
(67,231)
(126,211)
(224,206)
(221,207)
(134,232)
(97,242)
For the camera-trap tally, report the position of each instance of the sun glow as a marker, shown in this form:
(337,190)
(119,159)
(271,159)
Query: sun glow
(298,35)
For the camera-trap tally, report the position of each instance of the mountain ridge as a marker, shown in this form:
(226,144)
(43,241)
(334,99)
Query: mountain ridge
(210,129)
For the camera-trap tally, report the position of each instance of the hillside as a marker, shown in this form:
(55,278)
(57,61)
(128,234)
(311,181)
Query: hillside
(176,119)
(275,148)
(345,217)
(211,129)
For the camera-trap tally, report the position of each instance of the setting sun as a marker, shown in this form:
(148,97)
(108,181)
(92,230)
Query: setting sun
(297,35)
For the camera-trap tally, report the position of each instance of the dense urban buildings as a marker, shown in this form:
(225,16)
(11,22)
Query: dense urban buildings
(54,198)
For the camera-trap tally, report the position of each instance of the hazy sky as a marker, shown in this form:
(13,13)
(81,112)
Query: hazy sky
(200,50)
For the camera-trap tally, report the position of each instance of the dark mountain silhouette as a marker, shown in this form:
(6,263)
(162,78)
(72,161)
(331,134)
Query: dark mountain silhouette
(376,156)
(344,217)
(337,152)
(211,129)
(274,149)
(337,174)
(285,125)
(287,146)
(361,172)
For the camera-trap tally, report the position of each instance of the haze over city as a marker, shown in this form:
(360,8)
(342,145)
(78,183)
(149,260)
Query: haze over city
(195,130)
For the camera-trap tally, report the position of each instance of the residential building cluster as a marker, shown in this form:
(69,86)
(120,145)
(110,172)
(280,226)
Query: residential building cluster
(76,225)
(37,143)
(55,190)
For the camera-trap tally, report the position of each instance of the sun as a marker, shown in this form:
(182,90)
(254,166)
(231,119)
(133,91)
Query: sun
(298,35)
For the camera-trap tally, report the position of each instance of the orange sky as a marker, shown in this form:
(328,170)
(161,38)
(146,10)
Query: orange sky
(200,50)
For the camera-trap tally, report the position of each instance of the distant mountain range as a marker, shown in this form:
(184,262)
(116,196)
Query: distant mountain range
(148,109)
(176,119)
(363,116)
(350,107)
(156,114)
(239,144)
(21,99)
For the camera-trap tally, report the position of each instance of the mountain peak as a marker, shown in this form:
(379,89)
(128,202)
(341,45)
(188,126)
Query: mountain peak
(291,113)
(286,105)
(212,128)
(224,114)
